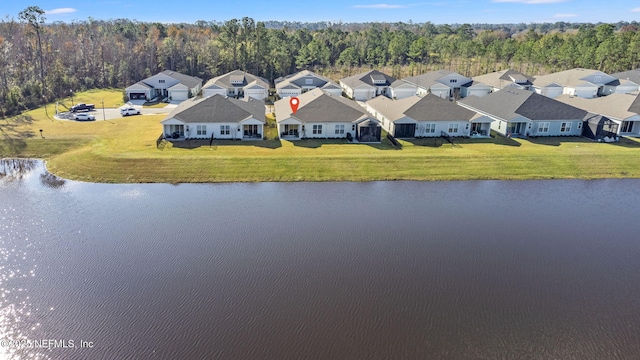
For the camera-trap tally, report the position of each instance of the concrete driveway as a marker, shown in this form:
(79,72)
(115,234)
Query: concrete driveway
(111,113)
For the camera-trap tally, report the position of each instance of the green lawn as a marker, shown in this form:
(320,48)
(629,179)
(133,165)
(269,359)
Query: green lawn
(112,98)
(124,150)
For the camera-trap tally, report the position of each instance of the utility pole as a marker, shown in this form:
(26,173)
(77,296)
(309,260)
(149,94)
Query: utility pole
(104,117)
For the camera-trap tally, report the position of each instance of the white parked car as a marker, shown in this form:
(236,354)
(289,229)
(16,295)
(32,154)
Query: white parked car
(129,111)
(84,117)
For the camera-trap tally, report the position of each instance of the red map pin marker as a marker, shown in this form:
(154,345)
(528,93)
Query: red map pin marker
(294,102)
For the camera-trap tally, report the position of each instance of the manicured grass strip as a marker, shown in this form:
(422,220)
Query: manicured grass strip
(124,150)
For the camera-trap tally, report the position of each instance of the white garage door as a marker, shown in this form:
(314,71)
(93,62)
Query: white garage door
(179,95)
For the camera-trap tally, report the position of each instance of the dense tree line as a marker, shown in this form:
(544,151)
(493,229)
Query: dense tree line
(40,61)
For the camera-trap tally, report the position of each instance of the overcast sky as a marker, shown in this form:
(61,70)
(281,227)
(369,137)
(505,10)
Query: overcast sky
(438,12)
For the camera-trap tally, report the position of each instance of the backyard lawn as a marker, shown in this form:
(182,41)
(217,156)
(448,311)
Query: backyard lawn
(125,150)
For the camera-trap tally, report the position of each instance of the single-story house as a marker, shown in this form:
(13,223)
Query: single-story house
(499,80)
(629,81)
(427,116)
(522,113)
(167,84)
(303,81)
(624,109)
(366,86)
(237,84)
(218,117)
(324,115)
(443,83)
(584,83)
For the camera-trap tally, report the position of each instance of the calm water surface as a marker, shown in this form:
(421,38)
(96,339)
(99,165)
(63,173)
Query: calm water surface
(380,270)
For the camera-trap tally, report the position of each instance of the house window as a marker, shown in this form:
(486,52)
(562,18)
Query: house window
(597,78)
(161,81)
(308,81)
(565,127)
(430,128)
(543,127)
(453,128)
(339,129)
(579,125)
(317,129)
(225,130)
(201,130)
(453,80)
(627,126)
(499,124)
(353,127)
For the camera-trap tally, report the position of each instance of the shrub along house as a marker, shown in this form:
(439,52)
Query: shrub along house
(216,116)
(167,84)
(324,115)
(237,84)
(521,113)
(428,116)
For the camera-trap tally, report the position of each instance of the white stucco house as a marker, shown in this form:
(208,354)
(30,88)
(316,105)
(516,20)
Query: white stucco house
(217,117)
(323,115)
(522,113)
(167,84)
(623,109)
(237,84)
(303,81)
(584,83)
(365,86)
(427,116)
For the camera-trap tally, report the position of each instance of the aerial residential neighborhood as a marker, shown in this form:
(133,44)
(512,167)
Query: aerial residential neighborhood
(336,179)
(576,102)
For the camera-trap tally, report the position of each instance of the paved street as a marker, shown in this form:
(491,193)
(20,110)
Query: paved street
(111,113)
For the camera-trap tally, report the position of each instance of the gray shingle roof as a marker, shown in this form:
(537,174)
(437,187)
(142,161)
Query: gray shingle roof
(225,80)
(428,108)
(633,75)
(190,81)
(432,107)
(500,79)
(392,109)
(511,103)
(571,77)
(217,109)
(429,79)
(367,78)
(635,105)
(299,80)
(320,106)
(617,106)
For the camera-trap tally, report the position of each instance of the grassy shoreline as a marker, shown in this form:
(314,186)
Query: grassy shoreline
(124,151)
